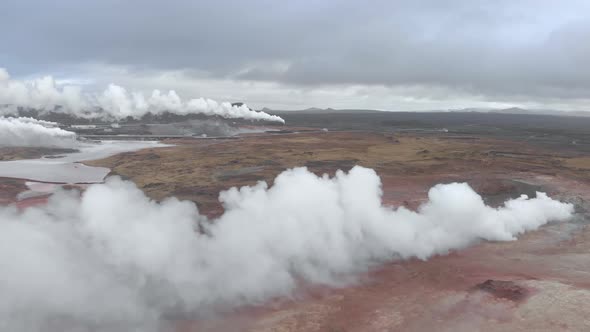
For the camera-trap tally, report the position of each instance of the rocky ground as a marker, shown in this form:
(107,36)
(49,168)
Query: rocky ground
(15,153)
(408,164)
(539,282)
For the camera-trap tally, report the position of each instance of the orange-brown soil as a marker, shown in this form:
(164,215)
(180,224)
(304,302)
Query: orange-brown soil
(408,165)
(9,189)
(539,282)
(14,153)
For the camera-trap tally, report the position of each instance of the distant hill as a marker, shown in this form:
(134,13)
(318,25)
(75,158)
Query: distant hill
(315,110)
(511,110)
(518,110)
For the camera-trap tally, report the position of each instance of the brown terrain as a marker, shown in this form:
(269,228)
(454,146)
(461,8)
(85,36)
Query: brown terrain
(15,153)
(539,283)
(10,188)
(408,164)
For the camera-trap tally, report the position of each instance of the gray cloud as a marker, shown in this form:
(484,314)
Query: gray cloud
(501,48)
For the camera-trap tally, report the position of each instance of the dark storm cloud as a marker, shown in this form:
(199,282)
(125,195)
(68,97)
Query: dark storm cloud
(526,48)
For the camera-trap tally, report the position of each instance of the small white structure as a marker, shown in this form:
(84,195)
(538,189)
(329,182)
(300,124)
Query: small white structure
(83,126)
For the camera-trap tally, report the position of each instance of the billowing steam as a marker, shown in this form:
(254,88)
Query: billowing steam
(44,94)
(114,260)
(34,133)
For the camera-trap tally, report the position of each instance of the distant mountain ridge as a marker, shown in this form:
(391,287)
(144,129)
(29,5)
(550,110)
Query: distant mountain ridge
(518,110)
(315,110)
(510,110)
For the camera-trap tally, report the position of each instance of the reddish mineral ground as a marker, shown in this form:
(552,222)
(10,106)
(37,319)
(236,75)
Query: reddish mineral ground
(538,283)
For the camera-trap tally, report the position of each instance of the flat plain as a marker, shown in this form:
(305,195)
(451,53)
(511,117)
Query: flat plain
(539,282)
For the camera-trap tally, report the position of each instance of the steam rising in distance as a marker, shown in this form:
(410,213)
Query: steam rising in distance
(30,132)
(115,101)
(114,260)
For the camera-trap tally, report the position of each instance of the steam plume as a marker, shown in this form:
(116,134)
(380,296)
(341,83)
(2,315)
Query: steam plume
(34,133)
(44,94)
(114,260)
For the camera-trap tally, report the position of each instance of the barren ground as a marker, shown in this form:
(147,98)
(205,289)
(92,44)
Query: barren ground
(540,282)
(15,153)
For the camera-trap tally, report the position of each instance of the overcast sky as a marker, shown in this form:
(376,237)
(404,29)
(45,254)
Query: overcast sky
(394,55)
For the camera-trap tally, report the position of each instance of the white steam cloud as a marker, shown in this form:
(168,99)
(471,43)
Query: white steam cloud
(114,260)
(45,94)
(34,133)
